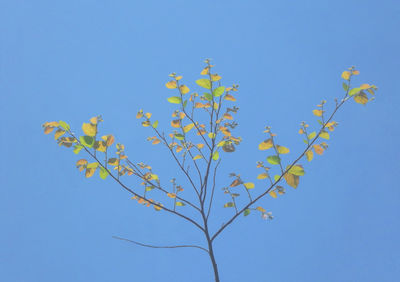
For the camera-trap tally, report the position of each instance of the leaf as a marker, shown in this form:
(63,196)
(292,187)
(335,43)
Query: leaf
(282,150)
(273,194)
(235,183)
(292,180)
(184,103)
(246,212)
(93,165)
(113,161)
(228,116)
(365,86)
(155,124)
(179,204)
(77,149)
(171,84)
(157,208)
(265,145)
(324,135)
(229,205)
(171,195)
(262,175)
(64,125)
(184,89)
(197,157)
(215,77)
(221,143)
(100,146)
(147,115)
(361,98)
(205,71)
(59,133)
(312,135)
(188,127)
(215,156)
(318,149)
(277,177)
(218,91)
(179,136)
(87,141)
(229,97)
(274,160)
(176,123)
(354,91)
(309,155)
(89,129)
(174,100)
(346,75)
(81,162)
(103,173)
(203,82)
(297,170)
(48,129)
(208,96)
(345,86)
(139,114)
(317,113)
(249,185)
(109,139)
(94,120)
(261,209)
(89,172)
(211,135)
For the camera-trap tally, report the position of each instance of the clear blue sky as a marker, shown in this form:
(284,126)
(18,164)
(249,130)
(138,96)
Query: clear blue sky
(72,60)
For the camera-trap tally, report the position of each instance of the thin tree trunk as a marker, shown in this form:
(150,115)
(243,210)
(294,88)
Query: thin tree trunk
(214,263)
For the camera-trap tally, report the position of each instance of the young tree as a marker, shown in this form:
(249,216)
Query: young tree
(202,131)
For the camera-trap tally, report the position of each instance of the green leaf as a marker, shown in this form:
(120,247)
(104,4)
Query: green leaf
(93,165)
(229,205)
(179,136)
(64,125)
(149,188)
(155,124)
(208,96)
(246,212)
(185,103)
(87,141)
(274,160)
(174,100)
(219,91)
(312,135)
(103,173)
(276,177)
(215,156)
(205,83)
(345,86)
(354,91)
(77,149)
(297,170)
(179,204)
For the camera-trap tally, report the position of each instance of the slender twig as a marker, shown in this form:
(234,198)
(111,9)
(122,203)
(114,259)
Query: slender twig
(160,247)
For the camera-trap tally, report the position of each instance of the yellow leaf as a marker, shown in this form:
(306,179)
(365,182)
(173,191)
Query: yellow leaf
(171,84)
(324,135)
(262,175)
(51,124)
(365,86)
(249,185)
(273,194)
(89,129)
(197,157)
(147,115)
(318,149)
(265,145)
(94,120)
(176,123)
(184,89)
(199,105)
(188,127)
(282,150)
(158,208)
(261,209)
(229,97)
(309,155)
(81,162)
(59,133)
(301,131)
(361,98)
(146,123)
(139,114)
(211,135)
(356,72)
(171,195)
(178,77)
(346,75)
(228,116)
(235,183)
(182,115)
(109,139)
(215,77)
(317,113)
(200,146)
(48,129)
(179,148)
(205,71)
(100,146)
(156,141)
(89,172)
(292,180)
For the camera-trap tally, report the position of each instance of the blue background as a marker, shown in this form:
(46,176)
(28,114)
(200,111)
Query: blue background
(72,60)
